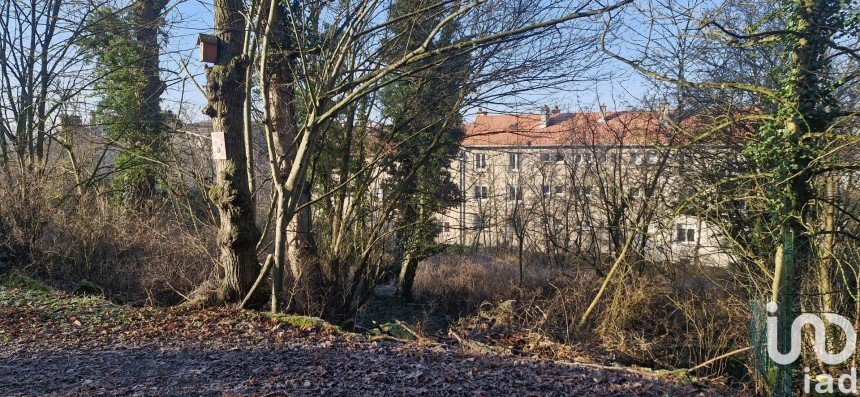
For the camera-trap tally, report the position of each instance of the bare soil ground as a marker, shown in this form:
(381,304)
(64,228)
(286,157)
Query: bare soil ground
(60,345)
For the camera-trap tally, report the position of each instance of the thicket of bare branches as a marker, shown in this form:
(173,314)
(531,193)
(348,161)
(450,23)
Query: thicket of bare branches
(314,182)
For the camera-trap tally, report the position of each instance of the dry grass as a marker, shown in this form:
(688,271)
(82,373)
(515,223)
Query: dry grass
(648,319)
(159,255)
(464,282)
(134,256)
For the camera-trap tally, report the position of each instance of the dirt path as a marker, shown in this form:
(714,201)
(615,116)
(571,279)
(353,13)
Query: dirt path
(56,345)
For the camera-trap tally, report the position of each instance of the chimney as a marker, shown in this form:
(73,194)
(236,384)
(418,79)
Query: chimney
(481,112)
(544,116)
(602,118)
(555,110)
(664,111)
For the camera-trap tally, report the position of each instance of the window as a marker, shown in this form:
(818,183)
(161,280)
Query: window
(582,191)
(515,222)
(581,158)
(445,228)
(482,192)
(377,193)
(479,221)
(515,193)
(685,234)
(545,158)
(642,191)
(613,158)
(651,158)
(545,189)
(554,222)
(684,162)
(514,161)
(559,157)
(480,162)
(559,190)
(636,158)
(582,225)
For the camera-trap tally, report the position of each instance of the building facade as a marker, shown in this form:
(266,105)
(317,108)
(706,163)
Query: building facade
(577,185)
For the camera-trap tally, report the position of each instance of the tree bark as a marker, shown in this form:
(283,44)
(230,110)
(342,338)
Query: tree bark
(294,241)
(826,259)
(147,19)
(408,268)
(806,105)
(407,238)
(238,233)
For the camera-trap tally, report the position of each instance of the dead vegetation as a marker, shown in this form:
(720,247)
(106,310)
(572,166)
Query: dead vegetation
(647,319)
(135,256)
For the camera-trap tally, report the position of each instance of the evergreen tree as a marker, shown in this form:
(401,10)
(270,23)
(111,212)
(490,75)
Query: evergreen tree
(423,107)
(124,43)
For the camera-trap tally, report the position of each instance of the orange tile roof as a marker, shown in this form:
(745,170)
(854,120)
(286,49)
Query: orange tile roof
(564,129)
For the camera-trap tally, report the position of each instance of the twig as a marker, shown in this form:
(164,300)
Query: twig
(477,345)
(410,330)
(711,361)
(388,337)
(419,337)
(262,275)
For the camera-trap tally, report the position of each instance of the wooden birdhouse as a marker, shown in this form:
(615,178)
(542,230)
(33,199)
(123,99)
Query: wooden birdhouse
(208,48)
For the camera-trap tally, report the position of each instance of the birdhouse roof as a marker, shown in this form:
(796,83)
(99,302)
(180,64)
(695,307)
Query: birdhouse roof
(207,38)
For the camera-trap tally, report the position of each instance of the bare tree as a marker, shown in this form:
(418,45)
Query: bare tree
(337,64)
(40,74)
(789,128)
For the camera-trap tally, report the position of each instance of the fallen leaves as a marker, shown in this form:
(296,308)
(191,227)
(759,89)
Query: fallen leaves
(54,344)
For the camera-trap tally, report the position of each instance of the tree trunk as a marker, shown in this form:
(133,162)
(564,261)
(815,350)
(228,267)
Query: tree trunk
(520,244)
(147,15)
(807,105)
(300,244)
(41,133)
(238,233)
(408,268)
(407,239)
(826,257)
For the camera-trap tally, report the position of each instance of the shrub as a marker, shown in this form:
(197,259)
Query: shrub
(648,318)
(14,279)
(464,282)
(139,256)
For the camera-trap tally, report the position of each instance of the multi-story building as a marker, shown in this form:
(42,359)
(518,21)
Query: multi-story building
(576,185)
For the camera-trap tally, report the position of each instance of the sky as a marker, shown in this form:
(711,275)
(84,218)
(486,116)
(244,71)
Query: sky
(188,18)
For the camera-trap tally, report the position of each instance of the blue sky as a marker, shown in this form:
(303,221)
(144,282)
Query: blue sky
(188,18)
